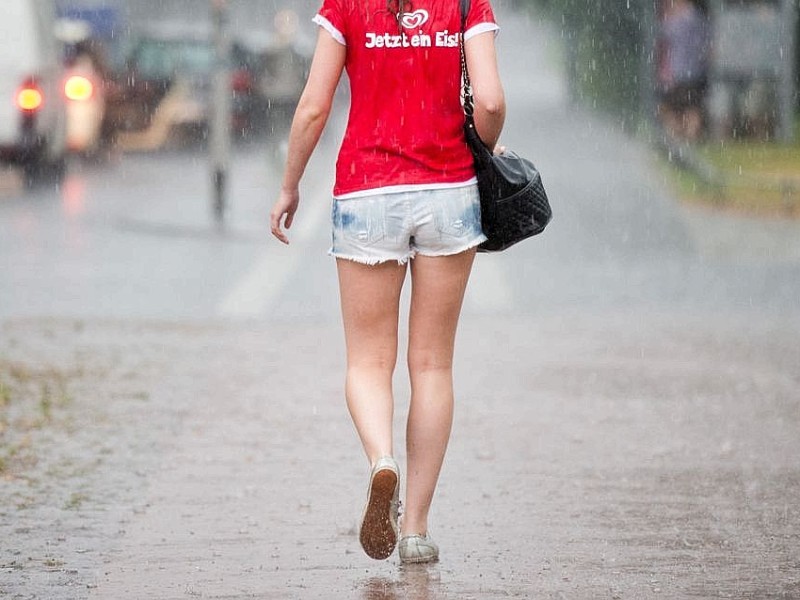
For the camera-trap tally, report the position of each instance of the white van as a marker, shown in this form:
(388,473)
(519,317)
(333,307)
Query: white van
(32,103)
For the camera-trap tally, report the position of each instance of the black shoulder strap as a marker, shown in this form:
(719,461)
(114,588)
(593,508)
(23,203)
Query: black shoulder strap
(466,89)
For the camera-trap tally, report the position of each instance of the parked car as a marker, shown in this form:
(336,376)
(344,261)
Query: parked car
(166,86)
(32,103)
(281,67)
(278,61)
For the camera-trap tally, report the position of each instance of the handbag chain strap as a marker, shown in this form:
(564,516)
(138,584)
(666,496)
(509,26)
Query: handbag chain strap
(467,85)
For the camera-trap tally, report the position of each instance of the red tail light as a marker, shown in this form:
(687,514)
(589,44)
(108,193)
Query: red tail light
(241,81)
(78,88)
(29,97)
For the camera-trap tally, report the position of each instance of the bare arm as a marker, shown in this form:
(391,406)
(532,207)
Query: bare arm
(309,121)
(490,103)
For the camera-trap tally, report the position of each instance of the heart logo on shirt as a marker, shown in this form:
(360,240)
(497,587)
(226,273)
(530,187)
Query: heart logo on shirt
(415,19)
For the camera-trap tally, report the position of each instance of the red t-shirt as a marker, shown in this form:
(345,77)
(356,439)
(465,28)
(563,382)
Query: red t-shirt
(405,129)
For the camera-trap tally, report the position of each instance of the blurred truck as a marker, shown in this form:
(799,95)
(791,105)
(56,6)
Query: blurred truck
(32,102)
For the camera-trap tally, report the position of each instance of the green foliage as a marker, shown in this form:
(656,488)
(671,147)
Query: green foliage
(610,49)
(755,177)
(75,500)
(31,398)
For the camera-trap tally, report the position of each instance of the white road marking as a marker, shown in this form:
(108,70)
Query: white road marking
(255,292)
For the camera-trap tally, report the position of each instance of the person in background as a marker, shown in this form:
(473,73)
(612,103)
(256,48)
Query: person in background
(684,42)
(405,199)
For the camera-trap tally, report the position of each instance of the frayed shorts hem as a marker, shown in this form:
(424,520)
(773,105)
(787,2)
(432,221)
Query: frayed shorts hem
(458,250)
(375,260)
(371,260)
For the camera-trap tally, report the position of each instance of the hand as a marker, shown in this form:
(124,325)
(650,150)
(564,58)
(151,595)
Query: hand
(283,210)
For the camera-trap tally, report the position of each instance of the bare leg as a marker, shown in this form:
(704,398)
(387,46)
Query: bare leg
(370,298)
(670,121)
(692,124)
(436,298)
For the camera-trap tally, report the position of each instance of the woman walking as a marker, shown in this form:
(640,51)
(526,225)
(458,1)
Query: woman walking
(405,198)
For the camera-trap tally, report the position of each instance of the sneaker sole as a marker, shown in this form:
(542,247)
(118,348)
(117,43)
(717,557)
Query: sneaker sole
(422,558)
(419,560)
(377,536)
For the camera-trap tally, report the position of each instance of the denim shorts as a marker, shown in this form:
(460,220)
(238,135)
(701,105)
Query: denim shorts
(399,225)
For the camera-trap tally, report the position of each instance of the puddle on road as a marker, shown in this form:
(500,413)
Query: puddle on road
(421,582)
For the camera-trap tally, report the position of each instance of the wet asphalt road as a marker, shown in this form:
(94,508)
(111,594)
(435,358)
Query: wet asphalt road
(628,415)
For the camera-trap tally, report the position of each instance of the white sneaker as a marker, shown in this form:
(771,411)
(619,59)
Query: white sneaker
(378,532)
(417,549)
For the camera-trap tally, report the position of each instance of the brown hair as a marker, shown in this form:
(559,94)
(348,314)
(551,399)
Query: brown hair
(398,9)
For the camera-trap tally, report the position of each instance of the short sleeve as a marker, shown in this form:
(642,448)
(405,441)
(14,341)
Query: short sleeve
(331,19)
(480,19)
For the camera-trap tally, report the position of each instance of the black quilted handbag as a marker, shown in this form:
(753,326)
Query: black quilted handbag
(514,205)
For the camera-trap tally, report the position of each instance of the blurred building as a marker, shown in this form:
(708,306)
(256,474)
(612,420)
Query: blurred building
(245,15)
(252,20)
